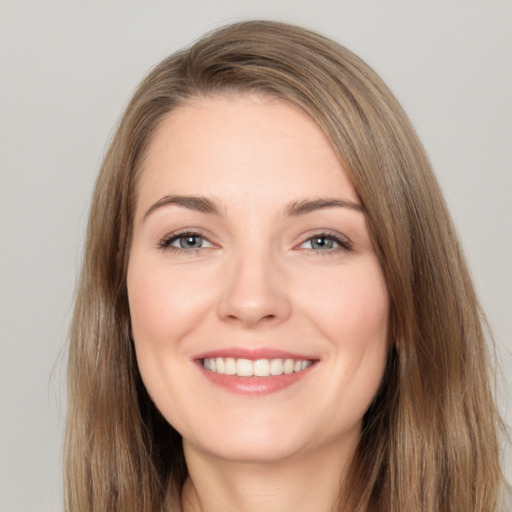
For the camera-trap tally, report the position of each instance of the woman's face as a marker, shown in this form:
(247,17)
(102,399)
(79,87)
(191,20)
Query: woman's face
(259,309)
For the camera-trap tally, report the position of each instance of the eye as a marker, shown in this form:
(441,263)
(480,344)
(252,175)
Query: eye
(185,241)
(325,242)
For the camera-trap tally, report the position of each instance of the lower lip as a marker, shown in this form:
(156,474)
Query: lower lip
(254,385)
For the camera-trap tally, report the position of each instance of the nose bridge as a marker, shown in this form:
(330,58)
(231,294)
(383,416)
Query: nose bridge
(254,288)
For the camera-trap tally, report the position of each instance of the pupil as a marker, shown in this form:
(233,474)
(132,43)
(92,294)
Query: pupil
(322,243)
(191,241)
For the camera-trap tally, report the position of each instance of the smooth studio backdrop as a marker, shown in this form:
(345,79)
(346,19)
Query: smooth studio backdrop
(68,68)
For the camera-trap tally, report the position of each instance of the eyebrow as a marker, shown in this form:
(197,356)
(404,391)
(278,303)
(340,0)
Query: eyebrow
(306,206)
(212,207)
(198,204)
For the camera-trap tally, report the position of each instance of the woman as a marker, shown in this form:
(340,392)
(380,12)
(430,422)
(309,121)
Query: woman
(274,312)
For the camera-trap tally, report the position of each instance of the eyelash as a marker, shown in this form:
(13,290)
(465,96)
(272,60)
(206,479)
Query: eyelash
(165,243)
(344,244)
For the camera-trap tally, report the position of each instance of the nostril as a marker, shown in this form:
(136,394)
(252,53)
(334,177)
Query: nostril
(251,318)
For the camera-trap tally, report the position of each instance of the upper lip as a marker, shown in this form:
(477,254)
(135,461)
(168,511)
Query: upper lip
(253,354)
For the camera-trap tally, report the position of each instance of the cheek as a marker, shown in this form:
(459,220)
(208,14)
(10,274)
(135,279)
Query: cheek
(164,304)
(352,314)
(148,302)
(351,308)
(162,314)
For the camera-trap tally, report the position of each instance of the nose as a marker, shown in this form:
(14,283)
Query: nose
(254,291)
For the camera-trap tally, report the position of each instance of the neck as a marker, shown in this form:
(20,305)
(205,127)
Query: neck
(303,483)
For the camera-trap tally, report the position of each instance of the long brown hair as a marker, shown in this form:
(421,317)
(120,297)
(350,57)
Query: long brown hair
(430,438)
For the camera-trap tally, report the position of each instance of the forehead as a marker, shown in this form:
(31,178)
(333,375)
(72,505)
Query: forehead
(242,146)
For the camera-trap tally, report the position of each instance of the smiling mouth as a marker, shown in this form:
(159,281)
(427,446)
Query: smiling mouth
(255,368)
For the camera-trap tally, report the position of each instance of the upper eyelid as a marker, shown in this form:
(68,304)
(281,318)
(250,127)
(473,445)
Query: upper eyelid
(187,231)
(328,233)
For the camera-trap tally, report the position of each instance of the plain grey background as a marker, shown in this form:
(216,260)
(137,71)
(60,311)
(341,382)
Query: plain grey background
(68,68)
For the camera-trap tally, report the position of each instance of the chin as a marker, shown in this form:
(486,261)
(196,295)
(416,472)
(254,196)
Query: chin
(249,451)
(267,442)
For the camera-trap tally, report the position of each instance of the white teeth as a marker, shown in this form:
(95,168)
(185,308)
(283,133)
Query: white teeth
(276,366)
(219,363)
(288,366)
(258,368)
(244,368)
(229,366)
(261,367)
